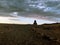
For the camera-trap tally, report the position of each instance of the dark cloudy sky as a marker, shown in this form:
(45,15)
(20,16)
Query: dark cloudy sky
(44,11)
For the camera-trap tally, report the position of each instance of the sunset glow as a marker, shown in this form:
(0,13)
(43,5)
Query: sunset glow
(21,20)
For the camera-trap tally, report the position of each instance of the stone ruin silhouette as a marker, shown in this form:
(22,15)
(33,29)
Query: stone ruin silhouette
(35,22)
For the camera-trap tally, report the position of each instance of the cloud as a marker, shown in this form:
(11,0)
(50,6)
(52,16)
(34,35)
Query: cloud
(14,14)
(40,9)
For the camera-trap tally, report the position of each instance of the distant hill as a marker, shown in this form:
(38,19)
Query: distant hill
(18,34)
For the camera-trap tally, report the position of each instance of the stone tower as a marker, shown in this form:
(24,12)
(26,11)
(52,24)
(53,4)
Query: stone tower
(35,23)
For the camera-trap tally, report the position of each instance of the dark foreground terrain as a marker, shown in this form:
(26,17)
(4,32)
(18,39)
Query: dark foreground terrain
(14,34)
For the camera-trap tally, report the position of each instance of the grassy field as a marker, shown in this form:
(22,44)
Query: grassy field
(15,34)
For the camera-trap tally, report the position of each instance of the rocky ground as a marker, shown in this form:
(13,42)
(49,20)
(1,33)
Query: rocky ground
(14,34)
